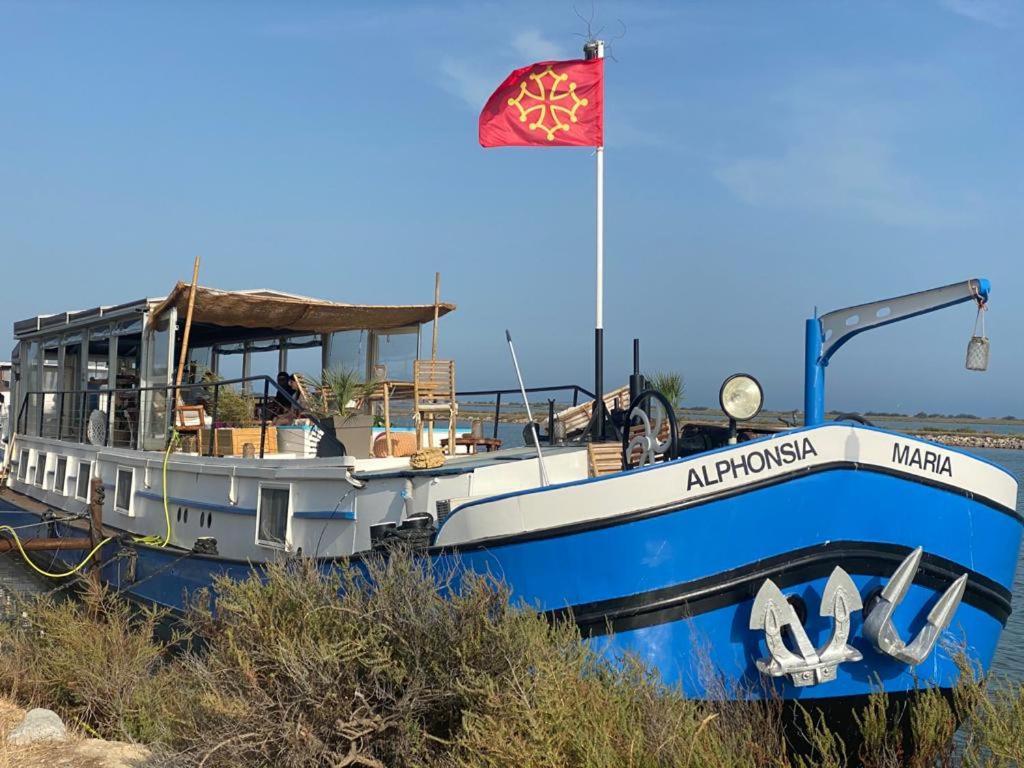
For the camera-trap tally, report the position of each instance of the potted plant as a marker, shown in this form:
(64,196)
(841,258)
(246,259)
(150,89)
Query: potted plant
(339,402)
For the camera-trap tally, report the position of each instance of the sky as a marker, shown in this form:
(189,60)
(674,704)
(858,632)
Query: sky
(762,159)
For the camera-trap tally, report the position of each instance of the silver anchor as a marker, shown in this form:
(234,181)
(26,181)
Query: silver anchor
(878,626)
(771,612)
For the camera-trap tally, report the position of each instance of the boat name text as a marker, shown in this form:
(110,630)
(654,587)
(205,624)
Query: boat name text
(752,463)
(922,458)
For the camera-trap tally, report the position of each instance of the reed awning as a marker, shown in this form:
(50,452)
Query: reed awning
(288,313)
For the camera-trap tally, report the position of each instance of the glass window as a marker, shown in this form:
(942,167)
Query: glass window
(123,491)
(60,476)
(394,353)
(82,486)
(273,516)
(157,374)
(23,465)
(349,351)
(40,469)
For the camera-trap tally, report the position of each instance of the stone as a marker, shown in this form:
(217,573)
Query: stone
(38,725)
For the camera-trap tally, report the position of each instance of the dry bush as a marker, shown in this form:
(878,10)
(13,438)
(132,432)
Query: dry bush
(93,661)
(387,663)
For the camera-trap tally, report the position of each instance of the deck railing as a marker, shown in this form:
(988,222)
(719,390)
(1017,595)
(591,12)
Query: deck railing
(125,409)
(64,415)
(575,389)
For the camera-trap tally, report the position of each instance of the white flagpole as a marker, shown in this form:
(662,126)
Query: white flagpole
(594,49)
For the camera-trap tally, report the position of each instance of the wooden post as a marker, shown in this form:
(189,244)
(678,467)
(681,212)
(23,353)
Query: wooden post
(188,327)
(437,311)
(433,346)
(97,495)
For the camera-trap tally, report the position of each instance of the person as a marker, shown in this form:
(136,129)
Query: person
(283,404)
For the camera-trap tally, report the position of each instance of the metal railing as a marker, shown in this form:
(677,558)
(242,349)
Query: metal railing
(576,390)
(127,407)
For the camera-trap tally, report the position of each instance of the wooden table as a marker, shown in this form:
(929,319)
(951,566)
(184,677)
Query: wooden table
(474,444)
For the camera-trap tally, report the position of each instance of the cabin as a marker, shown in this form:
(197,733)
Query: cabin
(106,376)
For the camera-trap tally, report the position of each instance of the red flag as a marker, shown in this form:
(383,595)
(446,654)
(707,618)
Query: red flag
(548,104)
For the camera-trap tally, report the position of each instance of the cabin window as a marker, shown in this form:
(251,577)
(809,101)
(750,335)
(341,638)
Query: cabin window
(82,486)
(394,353)
(40,469)
(23,466)
(156,374)
(123,490)
(60,476)
(272,515)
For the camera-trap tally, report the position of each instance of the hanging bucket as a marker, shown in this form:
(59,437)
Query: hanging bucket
(977,347)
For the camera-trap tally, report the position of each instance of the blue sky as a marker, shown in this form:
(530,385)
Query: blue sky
(763,158)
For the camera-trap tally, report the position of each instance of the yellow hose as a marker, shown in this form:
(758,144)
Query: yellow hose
(36,568)
(156,541)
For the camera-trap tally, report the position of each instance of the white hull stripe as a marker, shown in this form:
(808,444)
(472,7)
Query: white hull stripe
(711,474)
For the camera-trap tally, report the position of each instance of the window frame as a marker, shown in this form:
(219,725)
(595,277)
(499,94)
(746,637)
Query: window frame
(130,509)
(271,486)
(39,471)
(23,461)
(78,479)
(63,490)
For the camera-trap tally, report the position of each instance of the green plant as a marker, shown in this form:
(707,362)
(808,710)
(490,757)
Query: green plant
(670,384)
(334,390)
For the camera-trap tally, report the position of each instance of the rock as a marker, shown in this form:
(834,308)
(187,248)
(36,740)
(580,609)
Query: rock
(39,725)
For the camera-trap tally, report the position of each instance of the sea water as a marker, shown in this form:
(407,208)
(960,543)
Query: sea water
(1009,660)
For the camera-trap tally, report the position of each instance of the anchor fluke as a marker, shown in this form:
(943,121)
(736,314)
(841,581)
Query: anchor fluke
(878,626)
(771,612)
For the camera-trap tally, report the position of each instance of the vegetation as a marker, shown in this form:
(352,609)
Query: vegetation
(397,672)
(234,408)
(670,384)
(335,391)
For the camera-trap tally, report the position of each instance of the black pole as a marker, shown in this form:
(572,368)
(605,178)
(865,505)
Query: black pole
(636,381)
(213,417)
(598,415)
(497,413)
(551,420)
(263,416)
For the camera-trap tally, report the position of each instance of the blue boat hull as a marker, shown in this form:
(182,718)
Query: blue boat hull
(676,588)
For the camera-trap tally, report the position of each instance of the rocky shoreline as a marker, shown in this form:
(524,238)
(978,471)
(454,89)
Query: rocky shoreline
(985,440)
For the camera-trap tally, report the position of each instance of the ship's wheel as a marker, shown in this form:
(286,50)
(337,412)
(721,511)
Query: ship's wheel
(651,432)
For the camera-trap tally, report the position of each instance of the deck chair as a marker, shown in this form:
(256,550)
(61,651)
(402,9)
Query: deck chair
(604,458)
(434,395)
(191,420)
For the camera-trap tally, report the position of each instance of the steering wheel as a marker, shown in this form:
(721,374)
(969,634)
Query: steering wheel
(653,412)
(853,417)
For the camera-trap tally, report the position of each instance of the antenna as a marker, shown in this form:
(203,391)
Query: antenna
(533,425)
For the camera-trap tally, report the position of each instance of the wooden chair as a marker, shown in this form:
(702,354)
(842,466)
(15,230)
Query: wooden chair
(604,458)
(433,395)
(191,419)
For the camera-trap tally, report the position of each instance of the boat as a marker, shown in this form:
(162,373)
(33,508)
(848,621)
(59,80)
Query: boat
(817,563)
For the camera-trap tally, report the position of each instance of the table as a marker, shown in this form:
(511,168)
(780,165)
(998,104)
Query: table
(474,444)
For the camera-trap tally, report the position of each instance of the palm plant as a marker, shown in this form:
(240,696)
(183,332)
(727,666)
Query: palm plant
(335,390)
(670,384)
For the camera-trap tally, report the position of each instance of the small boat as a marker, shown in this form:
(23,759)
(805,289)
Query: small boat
(817,563)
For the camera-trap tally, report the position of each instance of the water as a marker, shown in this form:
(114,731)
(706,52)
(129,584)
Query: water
(1009,660)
